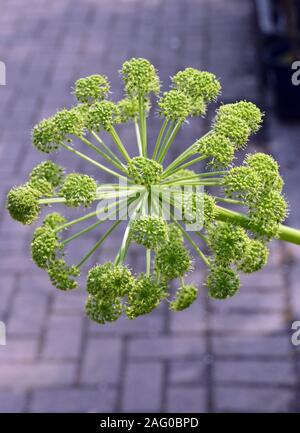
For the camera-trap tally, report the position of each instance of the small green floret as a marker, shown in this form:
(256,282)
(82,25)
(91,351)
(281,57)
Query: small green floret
(102,115)
(62,276)
(175,105)
(44,246)
(184,297)
(149,231)
(254,258)
(145,295)
(79,190)
(48,170)
(140,77)
(144,171)
(197,84)
(23,204)
(91,89)
(217,147)
(173,260)
(222,282)
(46,137)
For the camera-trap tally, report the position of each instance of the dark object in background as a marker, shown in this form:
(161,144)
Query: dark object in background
(278,23)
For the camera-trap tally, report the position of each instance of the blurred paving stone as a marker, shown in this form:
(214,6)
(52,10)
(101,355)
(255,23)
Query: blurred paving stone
(183,399)
(11,401)
(261,372)
(146,376)
(249,323)
(73,400)
(252,346)
(167,347)
(28,314)
(182,372)
(6,287)
(37,375)
(19,350)
(63,339)
(246,399)
(101,361)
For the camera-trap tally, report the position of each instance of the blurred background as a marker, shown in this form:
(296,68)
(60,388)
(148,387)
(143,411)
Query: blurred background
(232,356)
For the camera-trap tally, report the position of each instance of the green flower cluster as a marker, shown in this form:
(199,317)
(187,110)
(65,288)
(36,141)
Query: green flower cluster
(78,190)
(144,171)
(227,241)
(258,183)
(91,89)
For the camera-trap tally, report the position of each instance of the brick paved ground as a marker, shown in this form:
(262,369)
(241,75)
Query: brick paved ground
(231,356)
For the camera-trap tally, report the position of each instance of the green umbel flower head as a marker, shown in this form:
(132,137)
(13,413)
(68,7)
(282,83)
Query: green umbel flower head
(78,190)
(69,122)
(145,295)
(23,204)
(102,115)
(175,105)
(217,147)
(184,297)
(44,246)
(267,169)
(109,281)
(44,187)
(46,137)
(91,89)
(226,241)
(149,231)
(222,282)
(102,310)
(62,276)
(234,128)
(54,220)
(49,171)
(254,258)
(144,171)
(247,111)
(267,214)
(241,210)
(173,260)
(140,77)
(242,182)
(197,84)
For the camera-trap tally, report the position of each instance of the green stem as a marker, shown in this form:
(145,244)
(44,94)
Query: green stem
(286,233)
(138,137)
(181,158)
(97,244)
(92,161)
(119,143)
(82,232)
(187,164)
(126,240)
(141,120)
(103,154)
(169,142)
(148,261)
(119,206)
(229,200)
(109,152)
(159,138)
(165,138)
(52,200)
(190,240)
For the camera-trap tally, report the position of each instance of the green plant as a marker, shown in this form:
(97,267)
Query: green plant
(232,242)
